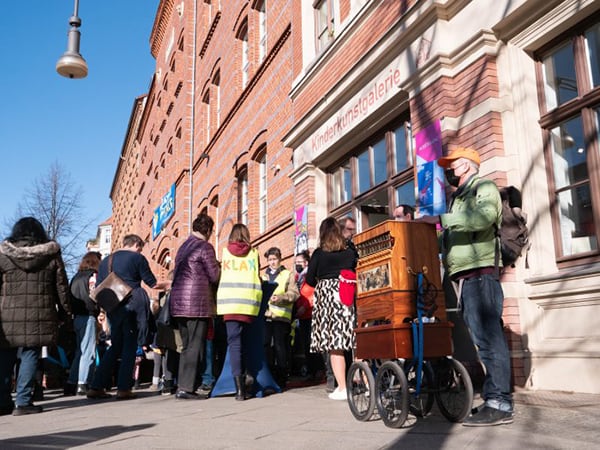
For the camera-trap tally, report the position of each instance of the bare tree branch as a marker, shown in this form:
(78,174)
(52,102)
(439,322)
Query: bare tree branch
(56,201)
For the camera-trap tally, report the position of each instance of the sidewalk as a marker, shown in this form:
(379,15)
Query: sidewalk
(299,418)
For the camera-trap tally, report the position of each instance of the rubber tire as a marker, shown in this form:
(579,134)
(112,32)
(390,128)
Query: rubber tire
(391,393)
(360,387)
(454,389)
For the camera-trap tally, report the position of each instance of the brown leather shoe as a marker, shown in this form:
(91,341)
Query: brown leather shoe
(125,395)
(97,394)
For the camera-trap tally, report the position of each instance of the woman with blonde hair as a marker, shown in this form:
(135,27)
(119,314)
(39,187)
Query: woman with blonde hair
(239,297)
(332,321)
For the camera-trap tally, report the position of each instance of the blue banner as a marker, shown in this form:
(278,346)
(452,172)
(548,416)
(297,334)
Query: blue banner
(163,213)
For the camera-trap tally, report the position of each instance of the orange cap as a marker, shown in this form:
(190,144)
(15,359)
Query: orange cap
(460,152)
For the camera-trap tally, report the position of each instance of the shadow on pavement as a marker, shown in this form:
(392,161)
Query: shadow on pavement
(70,439)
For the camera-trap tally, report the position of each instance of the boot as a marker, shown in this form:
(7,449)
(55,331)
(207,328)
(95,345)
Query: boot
(240,387)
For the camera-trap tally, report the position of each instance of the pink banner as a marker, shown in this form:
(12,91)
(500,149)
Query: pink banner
(428,143)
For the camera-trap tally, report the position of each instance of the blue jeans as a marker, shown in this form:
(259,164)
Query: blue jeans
(235,334)
(85,350)
(123,336)
(25,379)
(208,377)
(482,302)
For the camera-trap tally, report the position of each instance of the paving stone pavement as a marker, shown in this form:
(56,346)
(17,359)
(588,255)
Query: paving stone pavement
(299,418)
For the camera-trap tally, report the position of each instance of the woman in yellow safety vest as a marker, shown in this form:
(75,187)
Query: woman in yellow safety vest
(278,317)
(238,297)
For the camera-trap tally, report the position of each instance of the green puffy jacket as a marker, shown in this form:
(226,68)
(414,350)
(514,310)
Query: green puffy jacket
(469,239)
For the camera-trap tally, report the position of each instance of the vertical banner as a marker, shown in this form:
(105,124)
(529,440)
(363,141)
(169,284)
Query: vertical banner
(301,229)
(163,212)
(430,177)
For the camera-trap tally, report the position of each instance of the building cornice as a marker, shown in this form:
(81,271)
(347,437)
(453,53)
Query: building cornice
(159,29)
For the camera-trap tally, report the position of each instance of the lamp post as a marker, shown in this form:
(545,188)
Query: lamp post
(71,64)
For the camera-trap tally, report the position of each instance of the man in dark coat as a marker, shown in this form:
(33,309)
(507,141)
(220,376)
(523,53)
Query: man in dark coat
(33,294)
(128,320)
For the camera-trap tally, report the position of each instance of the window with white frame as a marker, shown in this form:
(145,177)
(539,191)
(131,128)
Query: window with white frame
(206,101)
(243,36)
(243,196)
(324,23)
(217,97)
(569,80)
(262,30)
(262,193)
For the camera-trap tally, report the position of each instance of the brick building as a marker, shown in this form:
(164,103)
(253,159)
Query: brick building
(260,107)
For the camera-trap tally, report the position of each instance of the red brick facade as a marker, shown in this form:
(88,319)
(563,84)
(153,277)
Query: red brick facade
(201,126)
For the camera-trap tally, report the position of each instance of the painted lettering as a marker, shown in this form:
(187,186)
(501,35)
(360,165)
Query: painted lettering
(379,91)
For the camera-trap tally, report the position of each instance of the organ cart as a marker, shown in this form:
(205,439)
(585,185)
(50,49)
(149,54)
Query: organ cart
(403,339)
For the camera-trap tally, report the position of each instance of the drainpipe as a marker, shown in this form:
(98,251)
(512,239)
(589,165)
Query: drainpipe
(193,121)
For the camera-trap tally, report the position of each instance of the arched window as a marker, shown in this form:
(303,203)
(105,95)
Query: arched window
(245,55)
(242,195)
(216,82)
(206,101)
(262,190)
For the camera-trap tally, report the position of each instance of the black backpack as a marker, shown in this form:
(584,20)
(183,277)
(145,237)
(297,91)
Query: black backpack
(513,232)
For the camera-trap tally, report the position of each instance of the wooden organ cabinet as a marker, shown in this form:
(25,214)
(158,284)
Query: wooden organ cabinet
(390,256)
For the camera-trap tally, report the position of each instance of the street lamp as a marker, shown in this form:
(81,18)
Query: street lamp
(71,64)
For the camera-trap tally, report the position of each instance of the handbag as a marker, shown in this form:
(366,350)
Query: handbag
(167,332)
(347,286)
(112,291)
(164,315)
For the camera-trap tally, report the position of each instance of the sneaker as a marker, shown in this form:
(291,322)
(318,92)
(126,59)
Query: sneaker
(154,388)
(81,389)
(26,409)
(487,417)
(168,388)
(338,394)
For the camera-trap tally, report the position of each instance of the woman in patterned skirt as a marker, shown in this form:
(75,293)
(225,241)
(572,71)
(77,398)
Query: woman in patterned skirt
(333,322)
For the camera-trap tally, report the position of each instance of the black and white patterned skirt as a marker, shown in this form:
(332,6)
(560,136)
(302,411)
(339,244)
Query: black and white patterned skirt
(332,322)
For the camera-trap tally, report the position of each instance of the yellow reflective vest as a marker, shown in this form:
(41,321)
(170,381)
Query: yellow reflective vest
(239,289)
(282,310)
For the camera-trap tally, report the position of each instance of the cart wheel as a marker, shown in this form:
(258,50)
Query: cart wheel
(360,386)
(391,392)
(454,390)
(420,406)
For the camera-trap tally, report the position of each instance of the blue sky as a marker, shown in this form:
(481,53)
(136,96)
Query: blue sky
(81,124)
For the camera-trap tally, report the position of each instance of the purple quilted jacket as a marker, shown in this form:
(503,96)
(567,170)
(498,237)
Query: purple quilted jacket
(196,274)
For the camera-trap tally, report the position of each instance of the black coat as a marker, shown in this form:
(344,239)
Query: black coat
(33,290)
(81,303)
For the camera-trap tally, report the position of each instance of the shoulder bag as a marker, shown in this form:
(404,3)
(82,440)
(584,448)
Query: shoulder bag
(112,291)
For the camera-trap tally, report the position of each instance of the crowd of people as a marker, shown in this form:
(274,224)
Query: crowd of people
(209,302)
(204,310)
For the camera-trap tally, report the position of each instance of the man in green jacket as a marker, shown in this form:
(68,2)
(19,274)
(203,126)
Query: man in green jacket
(471,259)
